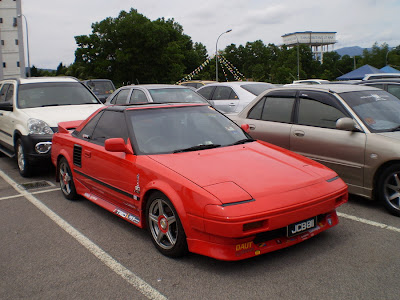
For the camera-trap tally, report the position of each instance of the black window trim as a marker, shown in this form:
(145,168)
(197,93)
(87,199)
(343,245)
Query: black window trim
(336,104)
(280,94)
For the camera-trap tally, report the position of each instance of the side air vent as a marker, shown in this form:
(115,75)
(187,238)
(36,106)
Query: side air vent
(77,155)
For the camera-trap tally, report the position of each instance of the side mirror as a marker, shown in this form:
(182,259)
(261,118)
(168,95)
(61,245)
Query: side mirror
(347,124)
(117,145)
(245,127)
(6,106)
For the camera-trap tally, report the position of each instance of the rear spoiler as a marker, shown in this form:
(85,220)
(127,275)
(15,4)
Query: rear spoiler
(65,127)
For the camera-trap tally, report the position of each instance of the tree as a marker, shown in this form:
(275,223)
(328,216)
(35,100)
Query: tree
(131,48)
(61,70)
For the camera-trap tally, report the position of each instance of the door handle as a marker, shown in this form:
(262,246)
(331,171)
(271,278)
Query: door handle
(231,104)
(87,154)
(299,133)
(252,126)
(1,113)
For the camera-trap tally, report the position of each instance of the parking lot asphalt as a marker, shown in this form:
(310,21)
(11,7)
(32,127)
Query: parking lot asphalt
(54,248)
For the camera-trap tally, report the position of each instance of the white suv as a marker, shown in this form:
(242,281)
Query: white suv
(30,110)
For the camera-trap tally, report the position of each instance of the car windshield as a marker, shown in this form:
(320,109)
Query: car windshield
(379,110)
(257,88)
(182,129)
(176,95)
(54,94)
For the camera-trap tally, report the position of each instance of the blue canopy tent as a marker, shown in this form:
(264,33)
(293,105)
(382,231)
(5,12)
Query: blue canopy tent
(389,69)
(359,73)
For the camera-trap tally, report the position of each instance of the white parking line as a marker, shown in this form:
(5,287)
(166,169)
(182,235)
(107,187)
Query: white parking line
(33,193)
(369,222)
(104,257)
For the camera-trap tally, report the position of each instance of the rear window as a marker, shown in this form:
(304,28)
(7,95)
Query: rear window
(176,95)
(257,88)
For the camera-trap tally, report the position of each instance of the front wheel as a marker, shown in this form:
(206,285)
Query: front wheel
(389,189)
(66,180)
(24,166)
(165,226)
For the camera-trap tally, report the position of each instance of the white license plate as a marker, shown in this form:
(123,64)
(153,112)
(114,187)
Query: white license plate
(302,226)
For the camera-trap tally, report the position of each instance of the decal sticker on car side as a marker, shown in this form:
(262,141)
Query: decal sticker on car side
(137,187)
(126,215)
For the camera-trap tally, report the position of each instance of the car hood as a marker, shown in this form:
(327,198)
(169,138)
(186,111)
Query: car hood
(52,115)
(246,171)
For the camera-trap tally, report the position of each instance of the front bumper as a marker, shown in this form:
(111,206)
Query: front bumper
(264,242)
(30,142)
(237,232)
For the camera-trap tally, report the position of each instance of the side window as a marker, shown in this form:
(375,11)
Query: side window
(87,131)
(394,89)
(256,111)
(317,113)
(278,109)
(10,94)
(222,93)
(206,92)
(111,125)
(3,92)
(121,97)
(377,85)
(138,96)
(233,95)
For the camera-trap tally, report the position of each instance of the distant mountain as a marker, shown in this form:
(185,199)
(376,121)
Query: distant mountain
(351,51)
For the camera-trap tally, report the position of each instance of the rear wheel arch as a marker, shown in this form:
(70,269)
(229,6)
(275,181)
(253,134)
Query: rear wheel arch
(378,174)
(59,157)
(387,187)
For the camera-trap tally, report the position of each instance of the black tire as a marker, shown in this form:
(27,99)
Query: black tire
(389,189)
(24,166)
(66,180)
(165,227)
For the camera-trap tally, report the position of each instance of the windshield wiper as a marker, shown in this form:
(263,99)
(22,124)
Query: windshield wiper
(55,104)
(397,128)
(198,147)
(244,141)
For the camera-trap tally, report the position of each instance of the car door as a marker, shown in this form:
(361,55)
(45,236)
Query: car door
(315,136)
(6,115)
(110,175)
(225,99)
(270,119)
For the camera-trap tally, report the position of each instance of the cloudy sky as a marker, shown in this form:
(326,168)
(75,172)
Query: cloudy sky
(52,24)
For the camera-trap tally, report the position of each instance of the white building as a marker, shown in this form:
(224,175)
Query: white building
(12,62)
(318,41)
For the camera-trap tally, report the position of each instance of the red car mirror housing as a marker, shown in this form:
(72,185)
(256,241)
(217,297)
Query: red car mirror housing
(117,145)
(245,127)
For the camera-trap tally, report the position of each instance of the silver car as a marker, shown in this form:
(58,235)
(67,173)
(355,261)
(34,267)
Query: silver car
(159,93)
(354,130)
(232,97)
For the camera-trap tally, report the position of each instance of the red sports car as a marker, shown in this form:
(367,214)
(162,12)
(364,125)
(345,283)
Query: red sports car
(195,179)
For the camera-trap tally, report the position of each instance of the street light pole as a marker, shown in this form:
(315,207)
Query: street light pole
(27,44)
(216,54)
(386,59)
(298,59)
